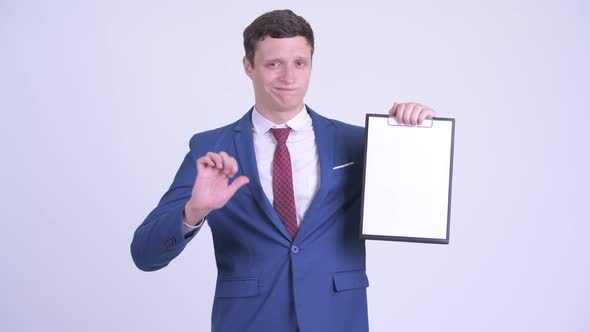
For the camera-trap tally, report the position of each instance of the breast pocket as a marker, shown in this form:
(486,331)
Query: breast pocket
(346,175)
(344,166)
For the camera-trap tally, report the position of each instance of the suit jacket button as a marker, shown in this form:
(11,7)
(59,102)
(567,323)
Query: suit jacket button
(294,249)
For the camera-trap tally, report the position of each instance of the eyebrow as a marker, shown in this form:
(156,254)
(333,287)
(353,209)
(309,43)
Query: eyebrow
(299,58)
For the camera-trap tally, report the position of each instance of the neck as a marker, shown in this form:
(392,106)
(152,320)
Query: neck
(279,117)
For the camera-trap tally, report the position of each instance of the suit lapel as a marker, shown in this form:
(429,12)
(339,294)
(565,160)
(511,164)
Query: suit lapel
(325,137)
(247,162)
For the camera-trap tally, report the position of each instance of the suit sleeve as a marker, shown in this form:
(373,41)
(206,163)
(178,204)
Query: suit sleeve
(161,237)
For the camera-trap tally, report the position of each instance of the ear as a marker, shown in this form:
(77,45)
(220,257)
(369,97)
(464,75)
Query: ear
(247,67)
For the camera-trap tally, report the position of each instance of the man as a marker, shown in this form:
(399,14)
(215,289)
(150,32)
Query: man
(280,189)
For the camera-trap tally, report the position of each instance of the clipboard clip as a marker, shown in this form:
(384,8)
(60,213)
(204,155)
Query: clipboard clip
(427,123)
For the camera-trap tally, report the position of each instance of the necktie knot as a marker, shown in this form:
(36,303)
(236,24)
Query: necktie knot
(281,134)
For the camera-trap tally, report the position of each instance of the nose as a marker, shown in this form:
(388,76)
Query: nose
(288,74)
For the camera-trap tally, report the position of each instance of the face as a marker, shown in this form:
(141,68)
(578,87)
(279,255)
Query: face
(280,75)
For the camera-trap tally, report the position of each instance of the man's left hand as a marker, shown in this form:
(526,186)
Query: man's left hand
(411,114)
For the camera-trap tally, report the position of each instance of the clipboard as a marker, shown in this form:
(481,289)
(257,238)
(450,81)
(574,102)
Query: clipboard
(407,180)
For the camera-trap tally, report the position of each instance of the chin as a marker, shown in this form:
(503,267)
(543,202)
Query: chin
(287,106)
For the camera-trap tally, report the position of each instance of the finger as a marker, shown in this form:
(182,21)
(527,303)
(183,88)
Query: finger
(415,114)
(234,166)
(229,164)
(237,183)
(408,113)
(426,113)
(216,159)
(399,113)
(393,108)
(224,161)
(205,161)
(431,114)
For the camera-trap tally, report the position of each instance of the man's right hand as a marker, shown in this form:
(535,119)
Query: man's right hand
(212,189)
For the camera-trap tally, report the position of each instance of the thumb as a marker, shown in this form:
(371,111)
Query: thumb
(394,108)
(237,183)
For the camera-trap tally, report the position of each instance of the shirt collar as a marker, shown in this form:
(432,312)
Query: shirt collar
(298,122)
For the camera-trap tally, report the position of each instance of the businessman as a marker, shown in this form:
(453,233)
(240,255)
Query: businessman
(280,189)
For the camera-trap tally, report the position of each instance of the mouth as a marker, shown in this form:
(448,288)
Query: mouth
(284,90)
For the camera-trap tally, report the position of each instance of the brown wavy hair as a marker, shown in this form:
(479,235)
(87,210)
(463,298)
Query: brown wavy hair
(275,24)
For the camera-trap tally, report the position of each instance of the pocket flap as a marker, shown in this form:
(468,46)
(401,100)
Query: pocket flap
(350,280)
(247,287)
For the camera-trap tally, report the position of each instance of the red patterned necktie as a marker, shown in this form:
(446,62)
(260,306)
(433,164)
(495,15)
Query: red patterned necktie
(282,182)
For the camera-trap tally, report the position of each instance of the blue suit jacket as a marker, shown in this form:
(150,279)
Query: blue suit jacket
(265,281)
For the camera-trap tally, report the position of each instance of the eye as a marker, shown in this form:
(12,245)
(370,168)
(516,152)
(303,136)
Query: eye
(274,64)
(300,63)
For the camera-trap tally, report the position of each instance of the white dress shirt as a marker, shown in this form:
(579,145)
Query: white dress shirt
(303,151)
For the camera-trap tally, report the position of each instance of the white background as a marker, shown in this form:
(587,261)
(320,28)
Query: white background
(98,100)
